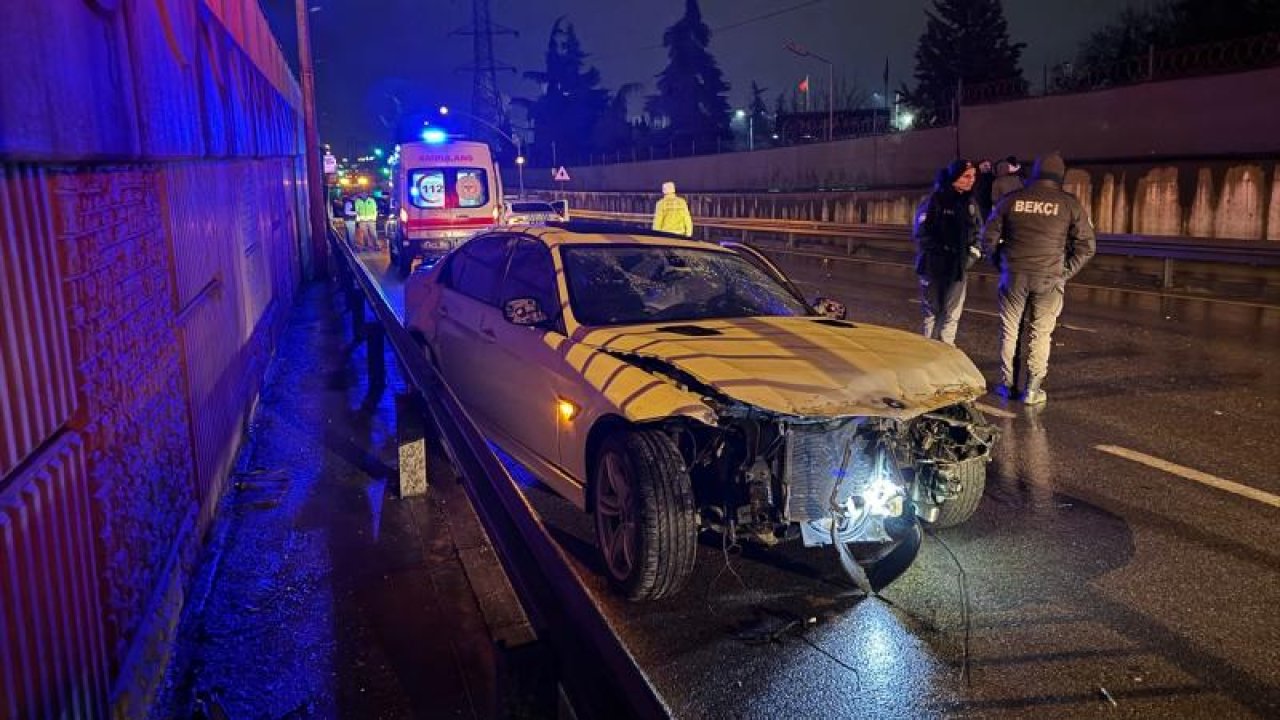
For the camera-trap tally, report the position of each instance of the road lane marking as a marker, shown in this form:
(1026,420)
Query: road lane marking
(1077,327)
(989,410)
(1191,474)
(1068,326)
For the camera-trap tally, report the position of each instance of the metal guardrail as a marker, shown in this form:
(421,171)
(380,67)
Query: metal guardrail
(598,673)
(1260,253)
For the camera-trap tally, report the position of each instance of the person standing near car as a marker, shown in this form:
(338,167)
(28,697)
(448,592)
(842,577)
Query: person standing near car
(671,214)
(946,234)
(1039,237)
(366,223)
(349,219)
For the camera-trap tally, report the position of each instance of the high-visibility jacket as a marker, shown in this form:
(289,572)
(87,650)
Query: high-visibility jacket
(671,214)
(366,210)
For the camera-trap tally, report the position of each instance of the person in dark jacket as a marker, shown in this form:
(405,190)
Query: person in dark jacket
(1039,238)
(946,234)
(982,188)
(1007,180)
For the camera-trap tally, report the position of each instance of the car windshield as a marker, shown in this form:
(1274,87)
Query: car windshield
(627,284)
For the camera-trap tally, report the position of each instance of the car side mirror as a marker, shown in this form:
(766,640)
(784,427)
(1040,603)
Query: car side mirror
(562,208)
(833,309)
(525,311)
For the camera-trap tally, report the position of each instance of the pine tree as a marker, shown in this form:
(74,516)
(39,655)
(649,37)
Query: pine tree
(691,90)
(572,102)
(964,41)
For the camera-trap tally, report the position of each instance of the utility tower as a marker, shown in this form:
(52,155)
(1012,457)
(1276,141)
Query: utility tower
(486,101)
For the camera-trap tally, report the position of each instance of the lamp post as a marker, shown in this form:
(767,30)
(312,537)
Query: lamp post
(751,126)
(803,51)
(315,183)
(514,140)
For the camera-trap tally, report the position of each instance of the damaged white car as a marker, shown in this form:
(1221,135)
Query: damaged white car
(669,385)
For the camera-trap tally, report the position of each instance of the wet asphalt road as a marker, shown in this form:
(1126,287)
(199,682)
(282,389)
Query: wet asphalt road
(1088,584)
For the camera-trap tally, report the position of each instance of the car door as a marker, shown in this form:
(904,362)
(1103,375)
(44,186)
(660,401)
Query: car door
(535,389)
(468,312)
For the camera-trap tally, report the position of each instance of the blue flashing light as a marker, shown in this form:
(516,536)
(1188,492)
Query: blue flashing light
(434,136)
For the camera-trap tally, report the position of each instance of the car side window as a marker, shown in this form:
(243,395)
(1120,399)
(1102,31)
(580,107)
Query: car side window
(531,274)
(477,268)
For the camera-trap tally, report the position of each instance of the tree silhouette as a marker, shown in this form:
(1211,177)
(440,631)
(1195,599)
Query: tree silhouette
(572,103)
(691,90)
(964,41)
(1135,32)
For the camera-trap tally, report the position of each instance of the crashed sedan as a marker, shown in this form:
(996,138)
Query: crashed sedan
(668,385)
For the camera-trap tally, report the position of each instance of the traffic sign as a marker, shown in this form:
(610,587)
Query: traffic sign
(560,175)
(330,164)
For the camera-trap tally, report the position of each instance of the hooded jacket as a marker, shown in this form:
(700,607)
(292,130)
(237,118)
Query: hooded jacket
(1006,181)
(947,225)
(1040,230)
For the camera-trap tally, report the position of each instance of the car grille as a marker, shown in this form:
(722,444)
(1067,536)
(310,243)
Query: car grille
(814,453)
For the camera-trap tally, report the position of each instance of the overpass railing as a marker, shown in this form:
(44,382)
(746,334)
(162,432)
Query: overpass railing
(896,239)
(598,674)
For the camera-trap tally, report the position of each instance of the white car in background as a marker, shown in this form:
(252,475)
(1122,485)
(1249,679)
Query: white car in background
(667,385)
(534,211)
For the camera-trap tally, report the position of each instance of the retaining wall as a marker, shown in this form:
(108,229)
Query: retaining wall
(152,215)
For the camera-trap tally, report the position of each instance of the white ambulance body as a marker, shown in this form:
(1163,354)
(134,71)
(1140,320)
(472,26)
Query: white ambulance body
(448,191)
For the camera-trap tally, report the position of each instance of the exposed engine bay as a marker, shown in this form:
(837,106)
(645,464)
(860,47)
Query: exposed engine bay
(844,480)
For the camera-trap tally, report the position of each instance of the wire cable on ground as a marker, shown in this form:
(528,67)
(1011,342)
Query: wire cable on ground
(963,579)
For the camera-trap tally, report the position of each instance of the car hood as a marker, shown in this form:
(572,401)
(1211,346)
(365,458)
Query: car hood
(805,366)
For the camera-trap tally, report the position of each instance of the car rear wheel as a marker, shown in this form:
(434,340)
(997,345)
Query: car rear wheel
(646,523)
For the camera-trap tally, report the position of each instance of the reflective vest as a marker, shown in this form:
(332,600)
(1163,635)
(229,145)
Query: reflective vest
(366,210)
(671,214)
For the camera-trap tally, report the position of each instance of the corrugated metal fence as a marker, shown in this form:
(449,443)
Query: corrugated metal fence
(150,240)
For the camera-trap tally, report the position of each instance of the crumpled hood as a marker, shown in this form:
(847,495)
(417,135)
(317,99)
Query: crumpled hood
(806,366)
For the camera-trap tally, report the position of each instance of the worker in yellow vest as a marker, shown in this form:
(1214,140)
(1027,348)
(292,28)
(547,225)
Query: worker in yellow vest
(366,223)
(671,214)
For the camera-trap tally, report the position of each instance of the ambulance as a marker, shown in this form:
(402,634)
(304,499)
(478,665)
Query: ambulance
(447,191)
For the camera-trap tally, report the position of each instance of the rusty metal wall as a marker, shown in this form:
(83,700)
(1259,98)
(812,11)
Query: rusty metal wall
(52,656)
(37,392)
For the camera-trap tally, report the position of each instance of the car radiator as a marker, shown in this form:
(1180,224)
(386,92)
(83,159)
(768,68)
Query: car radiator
(814,456)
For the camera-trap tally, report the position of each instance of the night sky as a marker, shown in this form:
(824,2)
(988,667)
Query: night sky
(369,50)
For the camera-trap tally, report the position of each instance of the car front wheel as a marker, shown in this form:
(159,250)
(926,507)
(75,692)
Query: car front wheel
(646,522)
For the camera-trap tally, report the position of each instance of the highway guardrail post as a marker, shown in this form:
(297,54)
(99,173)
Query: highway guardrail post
(411,439)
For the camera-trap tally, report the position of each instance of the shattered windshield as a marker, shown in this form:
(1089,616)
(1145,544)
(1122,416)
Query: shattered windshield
(619,285)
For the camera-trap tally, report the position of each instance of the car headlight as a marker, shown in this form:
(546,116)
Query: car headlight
(883,497)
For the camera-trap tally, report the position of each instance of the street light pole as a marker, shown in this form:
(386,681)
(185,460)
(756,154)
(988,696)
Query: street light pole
(315,182)
(515,141)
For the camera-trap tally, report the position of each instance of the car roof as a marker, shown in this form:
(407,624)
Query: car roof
(600,233)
